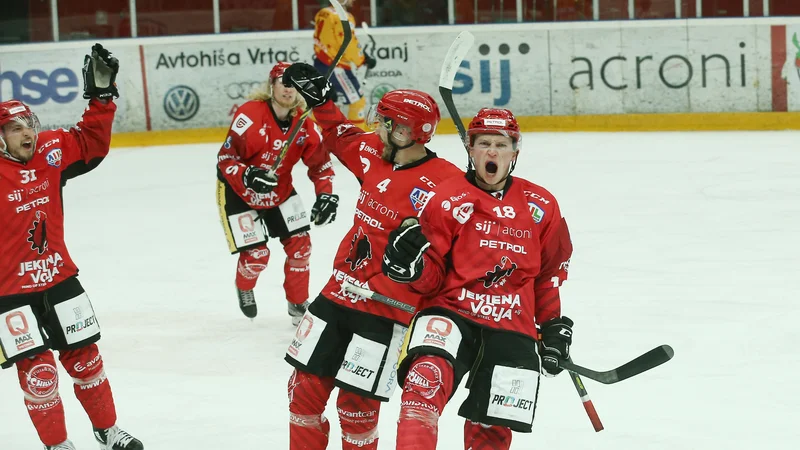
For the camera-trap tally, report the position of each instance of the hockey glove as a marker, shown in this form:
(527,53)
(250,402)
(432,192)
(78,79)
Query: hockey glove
(370,62)
(311,84)
(402,259)
(100,74)
(556,339)
(259,180)
(324,210)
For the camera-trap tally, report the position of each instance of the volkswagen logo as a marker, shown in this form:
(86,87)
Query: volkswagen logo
(181,103)
(242,89)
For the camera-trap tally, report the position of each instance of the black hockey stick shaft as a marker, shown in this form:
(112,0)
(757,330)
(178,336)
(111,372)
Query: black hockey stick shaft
(365,27)
(348,36)
(587,402)
(642,363)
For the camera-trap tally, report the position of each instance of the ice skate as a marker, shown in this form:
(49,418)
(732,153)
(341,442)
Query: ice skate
(247,302)
(116,439)
(66,445)
(296,311)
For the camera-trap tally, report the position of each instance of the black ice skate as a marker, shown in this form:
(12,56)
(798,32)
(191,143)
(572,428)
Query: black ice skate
(66,445)
(247,302)
(116,439)
(296,311)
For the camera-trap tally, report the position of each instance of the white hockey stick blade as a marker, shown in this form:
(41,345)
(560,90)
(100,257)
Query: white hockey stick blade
(380,298)
(339,10)
(452,61)
(358,290)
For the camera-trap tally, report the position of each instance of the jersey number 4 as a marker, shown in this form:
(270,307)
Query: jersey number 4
(382,185)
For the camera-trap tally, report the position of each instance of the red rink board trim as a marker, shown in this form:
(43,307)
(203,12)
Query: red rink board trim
(779,87)
(144,87)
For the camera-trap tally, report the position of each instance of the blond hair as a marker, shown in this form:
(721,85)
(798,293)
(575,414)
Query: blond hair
(264,94)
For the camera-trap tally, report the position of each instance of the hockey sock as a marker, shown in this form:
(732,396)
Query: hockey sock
(38,377)
(296,268)
(85,366)
(425,393)
(359,419)
(478,436)
(308,427)
(251,263)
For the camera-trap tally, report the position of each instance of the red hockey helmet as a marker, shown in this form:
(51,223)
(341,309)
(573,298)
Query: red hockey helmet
(494,121)
(414,109)
(277,71)
(16,111)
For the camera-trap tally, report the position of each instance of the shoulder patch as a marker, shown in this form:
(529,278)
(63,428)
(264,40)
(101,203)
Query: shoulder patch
(241,123)
(536,212)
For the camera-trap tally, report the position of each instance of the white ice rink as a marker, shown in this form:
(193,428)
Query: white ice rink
(685,239)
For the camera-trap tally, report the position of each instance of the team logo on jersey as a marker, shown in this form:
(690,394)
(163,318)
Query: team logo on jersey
(54,157)
(497,276)
(418,197)
(536,212)
(37,235)
(360,250)
(241,123)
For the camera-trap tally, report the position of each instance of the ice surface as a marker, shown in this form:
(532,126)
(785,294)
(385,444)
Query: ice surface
(686,239)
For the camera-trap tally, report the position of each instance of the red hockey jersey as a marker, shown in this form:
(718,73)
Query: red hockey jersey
(388,195)
(255,139)
(496,262)
(34,255)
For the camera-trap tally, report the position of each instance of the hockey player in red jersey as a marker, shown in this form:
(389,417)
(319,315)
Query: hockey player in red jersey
(43,306)
(255,204)
(489,252)
(345,340)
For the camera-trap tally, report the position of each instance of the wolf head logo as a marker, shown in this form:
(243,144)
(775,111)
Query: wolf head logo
(498,275)
(37,235)
(360,250)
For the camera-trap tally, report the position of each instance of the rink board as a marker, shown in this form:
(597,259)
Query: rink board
(614,75)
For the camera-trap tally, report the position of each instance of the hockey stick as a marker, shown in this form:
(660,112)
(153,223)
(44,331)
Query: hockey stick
(365,28)
(587,402)
(642,363)
(452,61)
(350,287)
(348,36)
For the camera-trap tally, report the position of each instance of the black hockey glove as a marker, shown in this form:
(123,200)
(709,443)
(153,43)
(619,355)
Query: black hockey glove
(100,74)
(259,180)
(324,210)
(402,259)
(370,62)
(556,339)
(311,84)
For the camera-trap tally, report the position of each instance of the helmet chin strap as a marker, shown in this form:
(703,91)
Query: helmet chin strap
(396,147)
(6,154)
